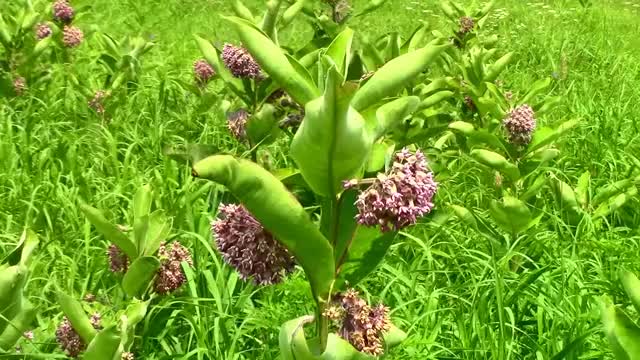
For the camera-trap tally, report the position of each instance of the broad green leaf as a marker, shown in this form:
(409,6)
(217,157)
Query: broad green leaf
(190,153)
(292,12)
(372,5)
(340,51)
(22,252)
(391,114)
(139,275)
(393,76)
(547,105)
(496,162)
(17,326)
(274,62)
(242,11)
(381,154)
(371,57)
(566,196)
(582,190)
(463,127)
(278,211)
(268,24)
(537,87)
(109,231)
(632,288)
(262,127)
(512,214)
(394,337)
(332,144)
(534,189)
(105,345)
(142,202)
(435,99)
(77,317)
(545,136)
(366,250)
(611,190)
(615,203)
(158,231)
(496,68)
(342,223)
(623,334)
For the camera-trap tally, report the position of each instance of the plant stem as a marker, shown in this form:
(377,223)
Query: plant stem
(322,324)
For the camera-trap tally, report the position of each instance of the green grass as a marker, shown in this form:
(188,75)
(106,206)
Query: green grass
(440,280)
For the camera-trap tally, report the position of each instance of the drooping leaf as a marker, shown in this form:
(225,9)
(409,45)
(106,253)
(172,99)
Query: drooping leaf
(394,75)
(139,275)
(332,144)
(109,231)
(158,231)
(512,214)
(17,326)
(278,211)
(77,317)
(632,288)
(545,136)
(105,345)
(340,51)
(496,162)
(262,127)
(623,334)
(391,114)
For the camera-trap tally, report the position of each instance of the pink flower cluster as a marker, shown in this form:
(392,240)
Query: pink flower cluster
(520,125)
(170,276)
(63,12)
(118,260)
(466,25)
(43,30)
(397,199)
(19,85)
(240,62)
(249,248)
(97,102)
(203,71)
(237,123)
(68,338)
(72,36)
(362,325)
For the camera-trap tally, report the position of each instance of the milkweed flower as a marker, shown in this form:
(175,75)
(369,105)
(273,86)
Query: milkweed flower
(398,198)
(118,260)
(19,85)
(63,12)
(466,25)
(240,62)
(468,101)
(171,276)
(127,356)
(72,36)
(97,102)
(28,335)
(68,338)
(43,30)
(520,125)
(203,71)
(237,123)
(360,324)
(249,248)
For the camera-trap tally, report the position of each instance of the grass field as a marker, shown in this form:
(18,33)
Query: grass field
(447,289)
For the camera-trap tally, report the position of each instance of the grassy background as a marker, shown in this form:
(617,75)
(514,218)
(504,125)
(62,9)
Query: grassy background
(439,280)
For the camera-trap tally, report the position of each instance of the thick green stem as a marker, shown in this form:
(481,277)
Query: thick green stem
(322,324)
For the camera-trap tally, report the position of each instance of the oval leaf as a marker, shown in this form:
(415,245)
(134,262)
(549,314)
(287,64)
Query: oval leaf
(139,276)
(77,317)
(105,346)
(109,231)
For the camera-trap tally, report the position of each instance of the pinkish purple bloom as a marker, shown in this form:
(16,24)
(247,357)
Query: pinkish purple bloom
(397,199)
(249,248)
(63,12)
(72,36)
(68,338)
(19,85)
(240,62)
(237,123)
(469,102)
(203,71)
(360,324)
(466,25)
(43,30)
(28,335)
(97,102)
(170,276)
(520,124)
(118,260)
(89,298)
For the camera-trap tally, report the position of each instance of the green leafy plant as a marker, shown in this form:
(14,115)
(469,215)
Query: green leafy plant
(17,313)
(343,120)
(623,332)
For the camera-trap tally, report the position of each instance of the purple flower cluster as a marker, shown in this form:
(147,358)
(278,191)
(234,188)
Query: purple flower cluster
(63,12)
(118,260)
(397,199)
(466,25)
(72,36)
(362,325)
(237,123)
(240,62)
(97,102)
(43,30)
(170,276)
(68,338)
(468,101)
(203,71)
(520,125)
(249,248)
(28,335)
(19,85)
